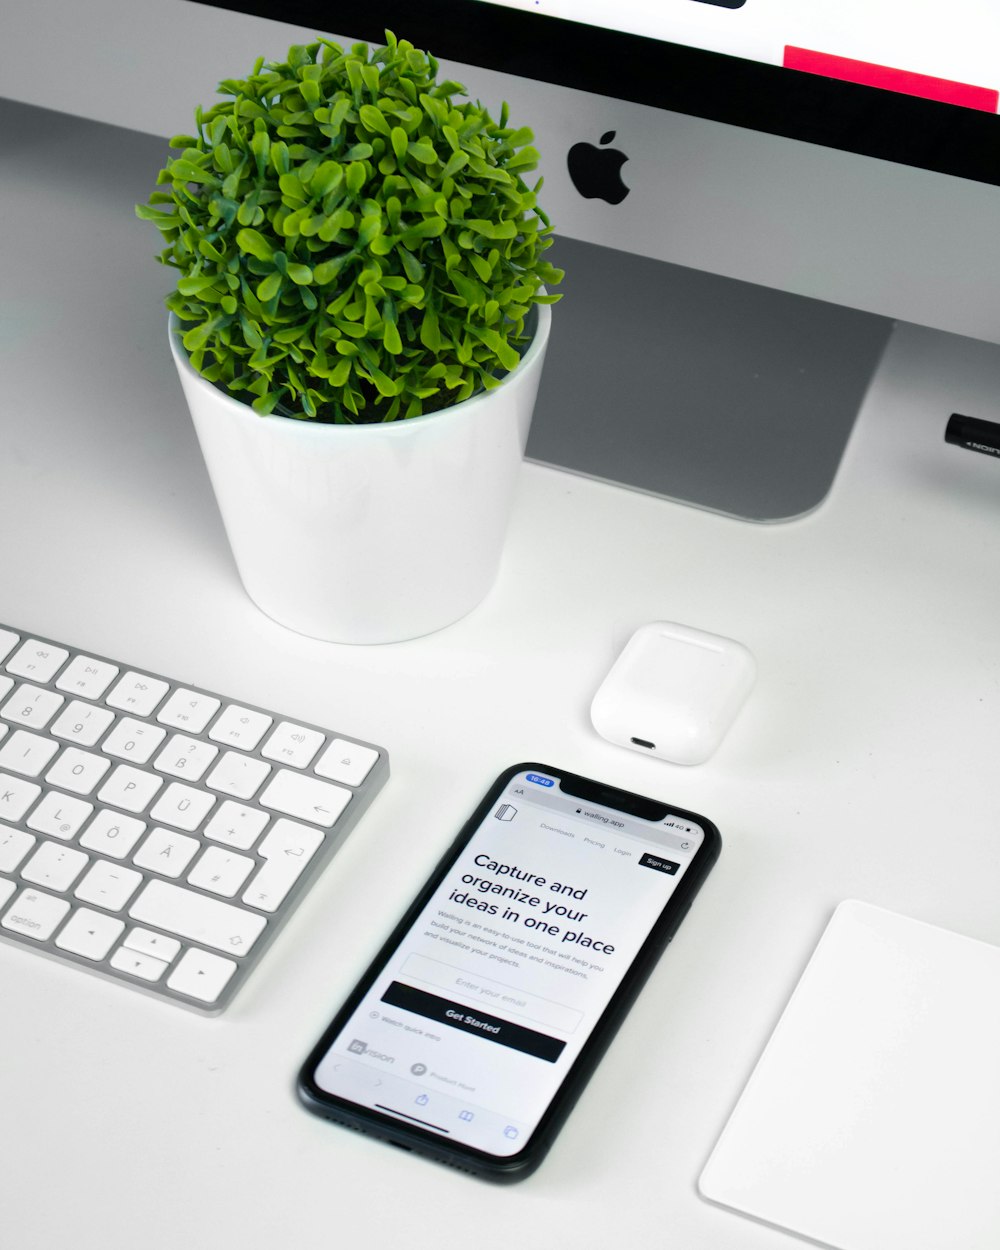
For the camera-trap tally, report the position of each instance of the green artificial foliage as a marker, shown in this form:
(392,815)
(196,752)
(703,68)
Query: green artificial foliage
(354,245)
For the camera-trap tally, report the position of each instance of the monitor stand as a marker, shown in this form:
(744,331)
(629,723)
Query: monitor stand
(702,389)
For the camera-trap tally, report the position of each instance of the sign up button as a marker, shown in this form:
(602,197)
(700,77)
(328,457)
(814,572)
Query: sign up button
(457,1016)
(660,864)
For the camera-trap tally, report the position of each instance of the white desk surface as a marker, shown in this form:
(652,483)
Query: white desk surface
(863,765)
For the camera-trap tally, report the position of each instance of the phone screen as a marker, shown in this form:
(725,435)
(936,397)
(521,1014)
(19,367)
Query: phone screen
(473,1022)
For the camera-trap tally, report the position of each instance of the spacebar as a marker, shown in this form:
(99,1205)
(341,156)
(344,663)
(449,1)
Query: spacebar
(198,918)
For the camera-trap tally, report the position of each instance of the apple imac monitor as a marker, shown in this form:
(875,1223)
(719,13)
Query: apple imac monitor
(747,194)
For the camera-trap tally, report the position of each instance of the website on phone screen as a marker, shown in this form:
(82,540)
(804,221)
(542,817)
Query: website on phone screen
(474,1021)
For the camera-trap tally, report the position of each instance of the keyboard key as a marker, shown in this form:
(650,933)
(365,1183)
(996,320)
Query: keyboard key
(185,757)
(16,796)
(129,788)
(137,693)
(167,852)
(238,775)
(201,975)
(288,840)
(27,753)
(197,917)
(240,727)
(38,660)
(346,762)
(188,710)
(111,833)
(108,885)
(59,815)
(89,933)
(133,740)
(81,723)
(35,914)
(145,967)
(55,866)
(31,706)
(77,770)
(156,945)
(7,888)
(292,745)
(305,797)
(287,849)
(87,677)
(182,806)
(14,845)
(270,887)
(236,825)
(221,871)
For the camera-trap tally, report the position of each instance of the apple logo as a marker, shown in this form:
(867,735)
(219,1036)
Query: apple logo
(596,171)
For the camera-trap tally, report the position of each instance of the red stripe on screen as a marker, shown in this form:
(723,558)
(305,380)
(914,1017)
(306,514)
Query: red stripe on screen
(868,74)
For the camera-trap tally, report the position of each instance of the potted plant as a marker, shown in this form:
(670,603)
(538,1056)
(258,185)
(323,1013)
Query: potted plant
(359,325)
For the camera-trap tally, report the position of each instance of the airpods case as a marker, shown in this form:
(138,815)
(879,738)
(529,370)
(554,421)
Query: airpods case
(673,692)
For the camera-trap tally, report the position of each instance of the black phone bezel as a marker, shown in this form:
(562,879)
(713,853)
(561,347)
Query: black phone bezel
(468,1158)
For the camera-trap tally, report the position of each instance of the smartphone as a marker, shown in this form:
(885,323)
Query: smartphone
(474,1031)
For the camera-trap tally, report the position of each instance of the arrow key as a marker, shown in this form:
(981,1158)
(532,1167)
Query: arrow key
(146,942)
(89,933)
(201,975)
(145,967)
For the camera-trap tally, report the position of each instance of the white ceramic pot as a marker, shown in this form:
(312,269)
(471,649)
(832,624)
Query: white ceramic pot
(368,533)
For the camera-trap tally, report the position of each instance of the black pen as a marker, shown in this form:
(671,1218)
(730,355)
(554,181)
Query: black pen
(973,434)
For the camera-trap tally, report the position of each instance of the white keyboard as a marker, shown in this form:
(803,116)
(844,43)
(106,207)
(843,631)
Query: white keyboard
(155,832)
